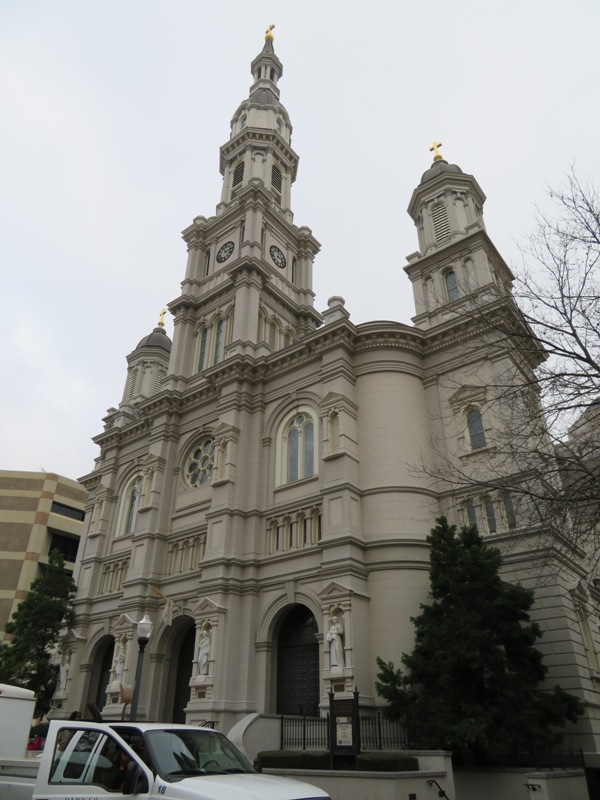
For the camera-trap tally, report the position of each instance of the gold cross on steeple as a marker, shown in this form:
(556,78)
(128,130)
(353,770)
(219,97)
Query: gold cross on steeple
(437,156)
(269,33)
(161,318)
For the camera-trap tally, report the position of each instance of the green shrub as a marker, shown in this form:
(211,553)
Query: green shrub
(321,759)
(293,759)
(386,762)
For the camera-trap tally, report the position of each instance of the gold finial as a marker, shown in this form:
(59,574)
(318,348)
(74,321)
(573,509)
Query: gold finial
(161,319)
(437,156)
(269,35)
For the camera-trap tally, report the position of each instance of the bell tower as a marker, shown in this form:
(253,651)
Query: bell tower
(456,263)
(261,135)
(248,284)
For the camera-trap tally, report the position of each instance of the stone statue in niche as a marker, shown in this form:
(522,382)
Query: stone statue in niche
(119,662)
(336,645)
(203,652)
(63,671)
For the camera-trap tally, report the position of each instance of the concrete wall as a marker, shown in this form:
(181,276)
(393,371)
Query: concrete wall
(512,783)
(376,785)
(492,785)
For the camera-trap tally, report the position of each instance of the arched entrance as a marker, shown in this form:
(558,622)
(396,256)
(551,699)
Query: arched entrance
(183,673)
(298,663)
(102,659)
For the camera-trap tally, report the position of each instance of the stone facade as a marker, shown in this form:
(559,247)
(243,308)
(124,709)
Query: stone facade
(274,468)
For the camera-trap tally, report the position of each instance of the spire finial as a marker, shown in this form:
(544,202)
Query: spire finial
(437,156)
(161,318)
(269,35)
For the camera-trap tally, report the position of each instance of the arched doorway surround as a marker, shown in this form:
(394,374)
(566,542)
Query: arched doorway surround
(101,658)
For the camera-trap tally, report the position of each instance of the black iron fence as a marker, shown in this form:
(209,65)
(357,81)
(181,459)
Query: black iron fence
(302,732)
(379,733)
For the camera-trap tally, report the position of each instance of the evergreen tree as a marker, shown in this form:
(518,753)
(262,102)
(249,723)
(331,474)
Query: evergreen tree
(471,681)
(35,626)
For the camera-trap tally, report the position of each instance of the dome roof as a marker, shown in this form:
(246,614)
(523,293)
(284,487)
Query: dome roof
(437,168)
(158,338)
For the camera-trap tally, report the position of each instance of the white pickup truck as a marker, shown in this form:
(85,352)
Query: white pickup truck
(89,760)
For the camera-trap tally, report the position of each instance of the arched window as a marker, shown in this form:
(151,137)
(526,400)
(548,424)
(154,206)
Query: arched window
(262,326)
(244,121)
(278,125)
(490,514)
(428,293)
(299,446)
(199,464)
(475,429)
(202,354)
(130,507)
(471,513)
(451,286)
(509,512)
(219,336)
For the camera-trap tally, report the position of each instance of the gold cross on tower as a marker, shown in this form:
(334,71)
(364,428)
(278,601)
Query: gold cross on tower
(161,319)
(269,33)
(437,156)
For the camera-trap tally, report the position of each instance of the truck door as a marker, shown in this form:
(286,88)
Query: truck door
(86,763)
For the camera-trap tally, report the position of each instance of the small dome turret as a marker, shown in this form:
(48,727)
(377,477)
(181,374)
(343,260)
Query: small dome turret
(147,365)
(439,167)
(158,338)
(445,204)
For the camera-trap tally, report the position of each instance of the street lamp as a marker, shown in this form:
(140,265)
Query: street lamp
(144,629)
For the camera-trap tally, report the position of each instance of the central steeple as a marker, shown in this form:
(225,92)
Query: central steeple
(259,147)
(248,284)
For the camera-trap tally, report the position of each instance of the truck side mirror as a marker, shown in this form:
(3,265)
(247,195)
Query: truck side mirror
(135,780)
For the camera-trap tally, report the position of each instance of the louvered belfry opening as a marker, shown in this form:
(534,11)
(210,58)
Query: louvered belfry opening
(238,174)
(441,223)
(276,178)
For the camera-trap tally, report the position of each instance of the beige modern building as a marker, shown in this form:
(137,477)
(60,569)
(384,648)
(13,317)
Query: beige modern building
(266,485)
(39,512)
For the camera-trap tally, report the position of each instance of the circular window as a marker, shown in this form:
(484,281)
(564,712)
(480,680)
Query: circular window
(199,465)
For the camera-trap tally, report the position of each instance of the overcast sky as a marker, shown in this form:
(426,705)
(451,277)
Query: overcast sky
(112,113)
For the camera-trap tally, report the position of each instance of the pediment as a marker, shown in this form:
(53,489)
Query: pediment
(468,394)
(124,624)
(71,639)
(207,606)
(335,400)
(225,430)
(335,591)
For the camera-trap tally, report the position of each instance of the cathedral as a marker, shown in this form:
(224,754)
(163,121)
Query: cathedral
(266,485)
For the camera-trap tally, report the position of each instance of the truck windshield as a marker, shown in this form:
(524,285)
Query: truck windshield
(179,753)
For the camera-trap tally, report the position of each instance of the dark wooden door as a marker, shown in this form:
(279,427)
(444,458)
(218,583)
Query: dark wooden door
(183,675)
(298,664)
(104,675)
